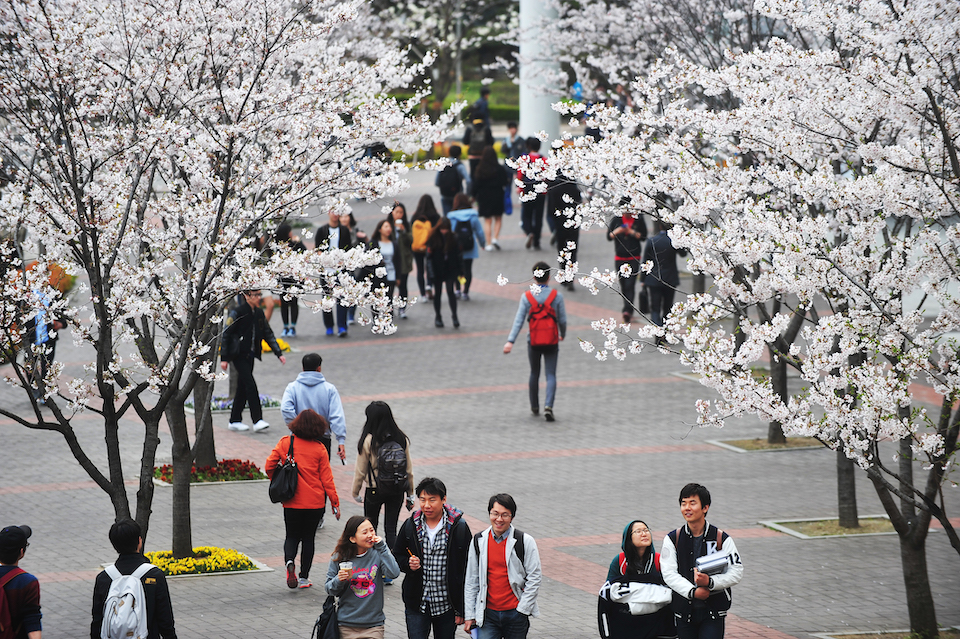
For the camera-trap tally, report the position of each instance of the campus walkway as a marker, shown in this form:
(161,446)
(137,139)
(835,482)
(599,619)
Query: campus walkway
(624,443)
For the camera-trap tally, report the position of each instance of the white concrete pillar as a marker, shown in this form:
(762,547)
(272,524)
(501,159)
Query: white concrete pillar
(535,112)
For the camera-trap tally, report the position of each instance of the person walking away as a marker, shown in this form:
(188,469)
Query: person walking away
(663,279)
(422,223)
(289,307)
(531,211)
(514,145)
(503,576)
(242,339)
(42,334)
(302,514)
(452,179)
(700,601)
(403,243)
(637,563)
(431,550)
(446,264)
(481,108)
(334,235)
(476,137)
(469,233)
(384,463)
(568,237)
(359,567)
(490,185)
(628,233)
(547,316)
(20,588)
(127,539)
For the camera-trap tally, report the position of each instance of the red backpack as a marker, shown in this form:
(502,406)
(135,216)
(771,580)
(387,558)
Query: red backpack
(544,330)
(6,619)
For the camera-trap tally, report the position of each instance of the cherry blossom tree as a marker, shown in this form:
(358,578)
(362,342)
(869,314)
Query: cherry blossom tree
(829,192)
(148,145)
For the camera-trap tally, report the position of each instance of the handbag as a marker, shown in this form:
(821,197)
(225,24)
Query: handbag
(326,626)
(642,598)
(283,484)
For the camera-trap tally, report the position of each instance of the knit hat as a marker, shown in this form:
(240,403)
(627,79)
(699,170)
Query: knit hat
(14,537)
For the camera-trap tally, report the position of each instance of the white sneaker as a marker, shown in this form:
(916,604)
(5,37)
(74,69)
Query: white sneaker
(260,425)
(488,247)
(239,426)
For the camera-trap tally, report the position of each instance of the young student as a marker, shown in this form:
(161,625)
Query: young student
(700,602)
(452,179)
(358,566)
(22,589)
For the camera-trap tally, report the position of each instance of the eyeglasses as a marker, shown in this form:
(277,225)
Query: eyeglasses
(257,294)
(641,531)
(504,516)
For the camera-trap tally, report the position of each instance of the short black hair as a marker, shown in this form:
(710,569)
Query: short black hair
(455,151)
(695,489)
(512,125)
(312,361)
(541,266)
(504,500)
(533,144)
(484,91)
(125,536)
(432,486)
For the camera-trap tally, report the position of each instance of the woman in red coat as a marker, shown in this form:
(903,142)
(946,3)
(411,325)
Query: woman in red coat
(301,515)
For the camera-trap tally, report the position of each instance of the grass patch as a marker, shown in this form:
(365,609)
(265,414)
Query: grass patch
(208,559)
(825,527)
(946,633)
(225,470)
(763,444)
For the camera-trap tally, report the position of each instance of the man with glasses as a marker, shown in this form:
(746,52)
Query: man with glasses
(503,576)
(247,328)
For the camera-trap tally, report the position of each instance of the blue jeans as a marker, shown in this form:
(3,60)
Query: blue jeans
(419,623)
(700,626)
(504,624)
(550,355)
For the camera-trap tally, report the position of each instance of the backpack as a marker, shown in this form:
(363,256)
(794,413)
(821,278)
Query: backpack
(125,611)
(544,330)
(391,467)
(478,140)
(7,631)
(421,233)
(464,232)
(518,548)
(449,180)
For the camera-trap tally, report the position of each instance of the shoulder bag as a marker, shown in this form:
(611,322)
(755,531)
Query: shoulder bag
(283,484)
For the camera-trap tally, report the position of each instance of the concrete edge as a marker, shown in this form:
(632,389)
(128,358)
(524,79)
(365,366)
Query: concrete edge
(160,482)
(775,525)
(260,567)
(879,633)
(737,449)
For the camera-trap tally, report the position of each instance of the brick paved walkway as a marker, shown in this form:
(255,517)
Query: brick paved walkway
(624,443)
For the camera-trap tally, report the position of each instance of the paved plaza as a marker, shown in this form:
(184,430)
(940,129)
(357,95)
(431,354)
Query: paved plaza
(624,443)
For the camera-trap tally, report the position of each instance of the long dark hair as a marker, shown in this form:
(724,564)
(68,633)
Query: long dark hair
(637,561)
(489,166)
(441,243)
(346,549)
(309,425)
(375,240)
(393,221)
(426,210)
(381,426)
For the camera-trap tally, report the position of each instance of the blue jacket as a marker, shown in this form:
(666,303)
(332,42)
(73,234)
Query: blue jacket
(524,310)
(311,390)
(469,215)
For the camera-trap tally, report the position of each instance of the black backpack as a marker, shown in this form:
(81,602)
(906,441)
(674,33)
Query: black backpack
(449,181)
(391,467)
(464,232)
(518,548)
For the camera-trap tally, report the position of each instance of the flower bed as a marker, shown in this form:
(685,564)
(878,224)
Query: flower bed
(225,470)
(222,403)
(208,559)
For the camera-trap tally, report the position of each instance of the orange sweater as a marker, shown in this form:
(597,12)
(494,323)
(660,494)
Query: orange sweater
(313,470)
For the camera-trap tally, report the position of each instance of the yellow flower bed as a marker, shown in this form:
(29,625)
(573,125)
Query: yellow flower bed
(208,559)
(283,344)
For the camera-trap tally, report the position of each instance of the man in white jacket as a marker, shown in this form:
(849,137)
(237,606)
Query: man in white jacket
(503,576)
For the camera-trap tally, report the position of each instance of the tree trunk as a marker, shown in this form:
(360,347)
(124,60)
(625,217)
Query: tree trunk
(847,491)
(148,459)
(182,464)
(778,379)
(699,283)
(923,614)
(204,447)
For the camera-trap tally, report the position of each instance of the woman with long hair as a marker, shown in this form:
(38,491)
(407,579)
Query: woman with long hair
(403,245)
(489,185)
(382,439)
(359,567)
(445,262)
(469,234)
(638,563)
(302,514)
(289,307)
(424,219)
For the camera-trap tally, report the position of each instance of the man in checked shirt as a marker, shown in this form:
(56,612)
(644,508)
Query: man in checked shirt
(431,550)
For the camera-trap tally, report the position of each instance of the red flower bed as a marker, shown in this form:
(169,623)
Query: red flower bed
(225,470)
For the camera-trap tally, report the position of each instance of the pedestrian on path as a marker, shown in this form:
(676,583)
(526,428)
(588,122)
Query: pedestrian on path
(469,233)
(545,312)
(490,184)
(21,589)
(664,278)
(452,179)
(403,244)
(127,539)
(384,463)
(564,194)
(700,601)
(334,235)
(503,576)
(246,330)
(628,232)
(425,218)
(359,566)
(633,574)
(303,514)
(312,390)
(446,263)
(531,210)
(289,304)
(431,551)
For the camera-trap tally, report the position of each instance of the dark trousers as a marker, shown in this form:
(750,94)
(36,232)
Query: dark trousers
(438,296)
(550,354)
(39,367)
(373,499)
(424,281)
(565,235)
(661,301)
(247,392)
(301,528)
(531,217)
(419,624)
(628,285)
(341,318)
(446,204)
(402,285)
(700,626)
(289,310)
(467,275)
(505,624)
